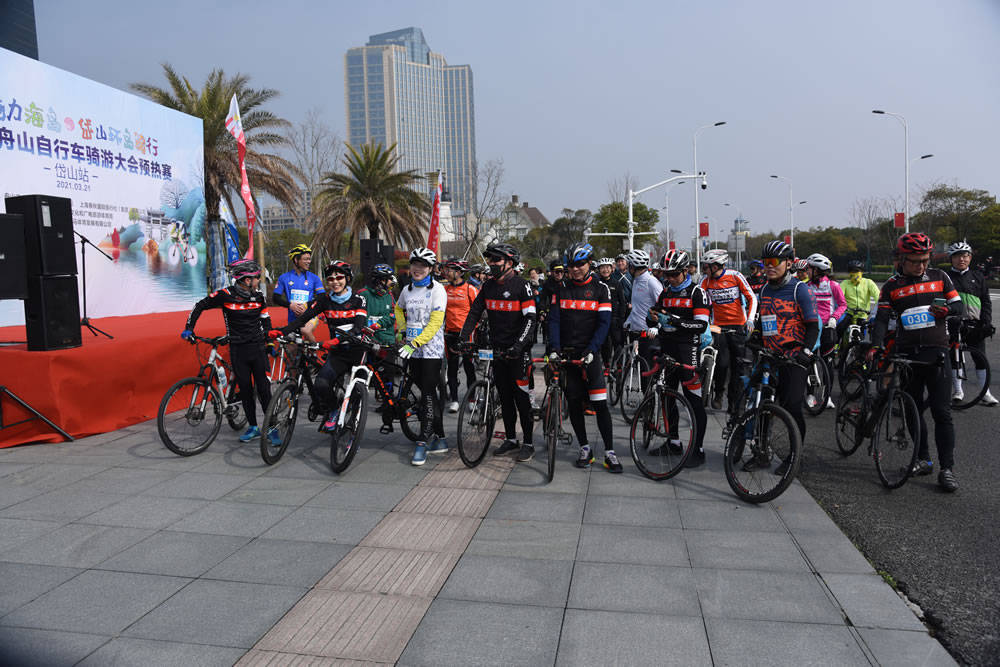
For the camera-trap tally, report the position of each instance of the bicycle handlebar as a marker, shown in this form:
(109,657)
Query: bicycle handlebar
(665,361)
(217,341)
(558,362)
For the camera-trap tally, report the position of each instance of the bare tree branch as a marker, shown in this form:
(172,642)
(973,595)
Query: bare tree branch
(315,148)
(618,187)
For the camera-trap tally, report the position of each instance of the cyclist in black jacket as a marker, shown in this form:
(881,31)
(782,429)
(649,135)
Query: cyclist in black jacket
(974,293)
(557,274)
(244,310)
(619,308)
(510,307)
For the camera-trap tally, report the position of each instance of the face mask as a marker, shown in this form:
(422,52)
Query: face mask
(497,270)
(856,277)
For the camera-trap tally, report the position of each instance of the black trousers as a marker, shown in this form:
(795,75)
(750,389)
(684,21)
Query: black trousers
(930,386)
(250,367)
(426,374)
(454,359)
(791,393)
(511,379)
(687,353)
(731,345)
(588,383)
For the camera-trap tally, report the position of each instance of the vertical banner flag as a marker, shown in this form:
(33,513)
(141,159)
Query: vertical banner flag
(434,233)
(703,229)
(235,126)
(899,220)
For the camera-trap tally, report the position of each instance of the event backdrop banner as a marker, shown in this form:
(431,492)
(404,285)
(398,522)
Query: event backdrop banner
(134,171)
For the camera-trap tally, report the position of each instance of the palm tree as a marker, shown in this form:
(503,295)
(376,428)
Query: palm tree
(371,196)
(266,172)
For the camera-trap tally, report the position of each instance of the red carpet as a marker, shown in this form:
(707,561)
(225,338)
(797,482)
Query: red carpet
(106,384)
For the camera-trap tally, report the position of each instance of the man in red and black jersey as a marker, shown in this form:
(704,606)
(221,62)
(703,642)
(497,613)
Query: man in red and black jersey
(342,310)
(579,320)
(922,298)
(244,310)
(509,303)
(681,314)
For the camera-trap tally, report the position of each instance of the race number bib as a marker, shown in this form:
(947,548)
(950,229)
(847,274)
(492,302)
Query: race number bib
(769,325)
(299,296)
(918,317)
(486,355)
(413,332)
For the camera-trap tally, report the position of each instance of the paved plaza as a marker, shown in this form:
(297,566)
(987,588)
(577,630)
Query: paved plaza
(113,551)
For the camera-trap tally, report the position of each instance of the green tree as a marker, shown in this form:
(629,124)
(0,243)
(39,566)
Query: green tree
(613,217)
(371,196)
(950,213)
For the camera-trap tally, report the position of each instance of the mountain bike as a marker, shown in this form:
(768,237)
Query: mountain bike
(283,409)
(763,445)
(190,414)
(966,365)
(662,433)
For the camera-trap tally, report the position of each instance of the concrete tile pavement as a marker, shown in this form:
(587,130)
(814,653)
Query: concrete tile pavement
(218,558)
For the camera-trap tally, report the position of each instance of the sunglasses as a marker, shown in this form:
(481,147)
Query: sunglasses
(576,265)
(337,277)
(672,274)
(772,261)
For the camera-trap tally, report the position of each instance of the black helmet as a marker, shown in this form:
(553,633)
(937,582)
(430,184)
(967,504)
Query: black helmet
(778,249)
(557,265)
(855,265)
(504,250)
(380,271)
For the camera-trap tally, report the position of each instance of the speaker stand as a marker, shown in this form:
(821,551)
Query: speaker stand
(85,321)
(4,391)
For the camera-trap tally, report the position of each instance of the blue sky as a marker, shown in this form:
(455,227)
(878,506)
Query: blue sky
(575,94)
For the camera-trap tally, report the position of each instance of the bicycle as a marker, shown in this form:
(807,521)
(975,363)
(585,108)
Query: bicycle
(973,390)
(707,358)
(283,409)
(190,414)
(890,423)
(667,424)
(818,387)
(632,386)
(764,434)
(553,411)
(845,355)
(477,413)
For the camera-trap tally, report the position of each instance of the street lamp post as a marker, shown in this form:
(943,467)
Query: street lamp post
(791,209)
(736,233)
(697,219)
(666,204)
(906,164)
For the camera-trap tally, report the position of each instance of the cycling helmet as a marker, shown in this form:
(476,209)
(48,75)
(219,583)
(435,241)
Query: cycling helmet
(914,242)
(655,266)
(819,261)
(380,271)
(244,268)
(855,265)
(637,258)
(424,255)
(557,265)
(778,249)
(519,267)
(621,255)
(477,268)
(675,260)
(457,264)
(800,265)
(959,247)
(605,261)
(756,264)
(578,253)
(298,251)
(504,250)
(338,266)
(715,256)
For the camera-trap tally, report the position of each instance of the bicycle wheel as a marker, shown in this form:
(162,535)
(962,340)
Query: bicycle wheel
(895,439)
(346,440)
(852,410)
(476,419)
(817,387)
(190,416)
(612,385)
(662,434)
(615,377)
(973,388)
(762,453)
(552,425)
(280,416)
(632,387)
(235,415)
(407,413)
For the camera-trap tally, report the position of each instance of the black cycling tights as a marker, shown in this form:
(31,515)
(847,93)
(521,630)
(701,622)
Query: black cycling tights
(930,387)
(576,393)
(426,375)
(512,386)
(250,368)
(791,392)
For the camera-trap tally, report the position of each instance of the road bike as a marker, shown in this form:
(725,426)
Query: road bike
(663,430)
(707,358)
(554,409)
(818,386)
(190,414)
(632,385)
(969,366)
(478,412)
(847,355)
(763,444)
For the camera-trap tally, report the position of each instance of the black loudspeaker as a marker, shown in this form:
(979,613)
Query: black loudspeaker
(373,252)
(52,313)
(48,233)
(13,270)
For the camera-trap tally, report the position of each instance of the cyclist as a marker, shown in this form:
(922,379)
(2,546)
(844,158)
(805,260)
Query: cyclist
(343,310)
(646,291)
(420,312)
(757,276)
(510,308)
(381,316)
(557,272)
(244,310)
(922,298)
(972,290)
(788,325)
(860,293)
(801,269)
(692,271)
(476,272)
(296,288)
(734,307)
(619,309)
(461,295)
(681,314)
(622,274)
(830,302)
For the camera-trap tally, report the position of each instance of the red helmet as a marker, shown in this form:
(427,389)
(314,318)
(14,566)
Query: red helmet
(456,264)
(338,266)
(914,242)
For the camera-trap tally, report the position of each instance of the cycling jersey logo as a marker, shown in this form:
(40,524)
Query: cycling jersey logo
(242,306)
(724,294)
(917,288)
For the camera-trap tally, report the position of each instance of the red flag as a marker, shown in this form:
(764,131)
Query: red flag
(788,239)
(673,245)
(433,233)
(703,229)
(235,126)
(899,220)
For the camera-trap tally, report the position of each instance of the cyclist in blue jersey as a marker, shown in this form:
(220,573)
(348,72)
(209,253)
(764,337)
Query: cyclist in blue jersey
(297,288)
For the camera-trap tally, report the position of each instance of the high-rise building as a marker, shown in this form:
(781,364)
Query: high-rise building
(17,27)
(399,92)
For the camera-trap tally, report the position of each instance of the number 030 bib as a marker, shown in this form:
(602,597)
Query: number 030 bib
(918,317)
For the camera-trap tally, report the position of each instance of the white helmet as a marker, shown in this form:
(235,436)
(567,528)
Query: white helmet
(959,247)
(715,256)
(655,266)
(637,258)
(605,261)
(425,255)
(519,267)
(818,261)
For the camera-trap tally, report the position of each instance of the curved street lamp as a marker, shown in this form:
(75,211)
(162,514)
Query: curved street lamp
(694,143)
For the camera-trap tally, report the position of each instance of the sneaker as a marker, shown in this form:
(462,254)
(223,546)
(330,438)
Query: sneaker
(331,422)
(419,454)
(453,407)
(526,454)
(507,447)
(438,446)
(611,462)
(947,481)
(988,399)
(274,437)
(695,459)
(957,395)
(830,404)
(586,458)
(921,468)
(675,447)
(250,434)
(716,402)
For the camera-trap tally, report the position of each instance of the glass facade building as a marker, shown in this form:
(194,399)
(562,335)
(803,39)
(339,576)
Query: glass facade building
(399,92)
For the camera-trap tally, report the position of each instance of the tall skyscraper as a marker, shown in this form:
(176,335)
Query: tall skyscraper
(399,92)
(17,27)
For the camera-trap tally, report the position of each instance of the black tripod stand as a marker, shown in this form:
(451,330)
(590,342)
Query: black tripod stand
(83,260)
